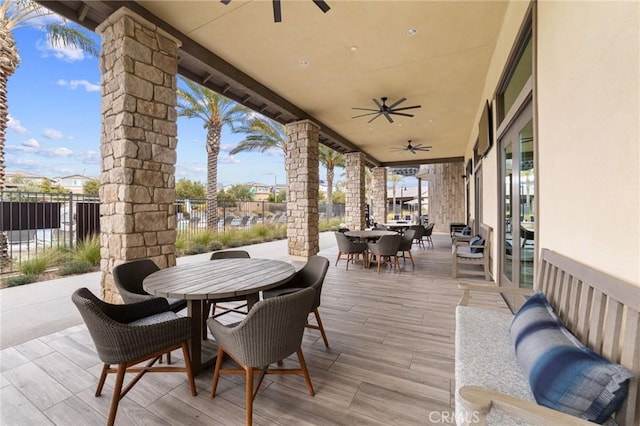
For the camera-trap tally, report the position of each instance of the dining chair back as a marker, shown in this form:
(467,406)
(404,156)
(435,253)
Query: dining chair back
(271,332)
(427,233)
(420,231)
(350,248)
(211,306)
(406,243)
(311,275)
(128,278)
(386,249)
(128,334)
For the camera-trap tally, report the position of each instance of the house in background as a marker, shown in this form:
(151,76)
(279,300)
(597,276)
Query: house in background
(72,183)
(18,180)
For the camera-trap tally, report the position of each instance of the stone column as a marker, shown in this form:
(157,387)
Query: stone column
(379,194)
(303,179)
(355,198)
(446,194)
(139,64)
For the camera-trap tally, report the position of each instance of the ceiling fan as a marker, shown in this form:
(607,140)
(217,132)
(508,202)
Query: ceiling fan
(413,148)
(386,110)
(277,12)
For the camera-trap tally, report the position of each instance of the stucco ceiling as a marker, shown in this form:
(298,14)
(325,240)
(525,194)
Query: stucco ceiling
(318,66)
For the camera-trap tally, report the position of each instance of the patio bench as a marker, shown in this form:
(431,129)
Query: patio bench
(601,311)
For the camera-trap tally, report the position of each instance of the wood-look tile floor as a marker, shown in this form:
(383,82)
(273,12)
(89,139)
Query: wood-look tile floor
(390,362)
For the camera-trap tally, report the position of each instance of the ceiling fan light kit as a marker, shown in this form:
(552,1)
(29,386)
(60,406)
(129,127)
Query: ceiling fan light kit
(386,110)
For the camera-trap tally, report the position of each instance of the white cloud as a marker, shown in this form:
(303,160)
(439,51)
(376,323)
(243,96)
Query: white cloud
(89,157)
(15,125)
(228,159)
(74,84)
(52,134)
(32,143)
(65,53)
(59,152)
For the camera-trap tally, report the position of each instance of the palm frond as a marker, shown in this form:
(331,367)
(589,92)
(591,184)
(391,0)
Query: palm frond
(65,35)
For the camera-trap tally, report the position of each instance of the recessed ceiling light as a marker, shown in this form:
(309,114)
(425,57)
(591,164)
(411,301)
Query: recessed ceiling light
(354,48)
(303,63)
(412,32)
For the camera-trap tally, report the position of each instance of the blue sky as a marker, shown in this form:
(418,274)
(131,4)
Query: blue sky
(54,122)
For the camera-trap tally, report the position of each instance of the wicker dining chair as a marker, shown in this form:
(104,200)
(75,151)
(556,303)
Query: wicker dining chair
(350,248)
(417,238)
(385,249)
(406,243)
(311,275)
(427,233)
(271,332)
(128,278)
(129,334)
(213,305)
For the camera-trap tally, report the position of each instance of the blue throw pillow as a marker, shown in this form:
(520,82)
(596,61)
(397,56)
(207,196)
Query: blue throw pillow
(476,241)
(564,374)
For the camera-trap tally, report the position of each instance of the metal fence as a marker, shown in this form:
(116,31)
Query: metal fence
(32,222)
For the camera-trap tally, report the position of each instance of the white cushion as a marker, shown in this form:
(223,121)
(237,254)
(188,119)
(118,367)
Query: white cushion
(484,356)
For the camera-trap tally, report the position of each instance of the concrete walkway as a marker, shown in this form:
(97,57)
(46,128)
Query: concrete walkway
(34,310)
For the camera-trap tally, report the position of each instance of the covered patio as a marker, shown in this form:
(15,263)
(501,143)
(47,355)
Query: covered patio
(390,361)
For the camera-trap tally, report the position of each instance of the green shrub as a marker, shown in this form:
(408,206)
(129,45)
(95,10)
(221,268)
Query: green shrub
(21,280)
(215,246)
(88,250)
(40,263)
(181,242)
(203,237)
(195,248)
(233,242)
(76,266)
(261,230)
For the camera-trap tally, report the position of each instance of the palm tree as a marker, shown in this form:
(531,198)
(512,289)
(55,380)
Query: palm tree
(330,159)
(394,180)
(25,13)
(216,111)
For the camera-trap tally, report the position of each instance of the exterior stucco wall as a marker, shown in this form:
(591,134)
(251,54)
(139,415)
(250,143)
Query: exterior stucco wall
(589,159)
(588,169)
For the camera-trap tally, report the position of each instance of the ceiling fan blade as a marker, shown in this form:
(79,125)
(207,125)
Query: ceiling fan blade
(366,109)
(378,104)
(364,115)
(388,117)
(277,12)
(377,115)
(409,107)
(225,1)
(400,113)
(322,5)
(398,102)
(413,151)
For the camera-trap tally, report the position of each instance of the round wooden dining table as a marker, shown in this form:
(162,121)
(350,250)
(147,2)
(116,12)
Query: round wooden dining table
(214,280)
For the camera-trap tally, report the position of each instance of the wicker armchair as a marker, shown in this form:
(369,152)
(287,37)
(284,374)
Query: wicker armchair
(129,334)
(211,305)
(406,243)
(311,275)
(386,249)
(350,248)
(417,238)
(271,332)
(128,278)
(428,231)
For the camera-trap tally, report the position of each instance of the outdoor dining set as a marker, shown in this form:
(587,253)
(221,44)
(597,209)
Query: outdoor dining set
(274,299)
(383,244)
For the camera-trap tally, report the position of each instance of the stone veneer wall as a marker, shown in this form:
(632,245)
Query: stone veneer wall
(446,194)
(355,195)
(303,179)
(138,144)
(379,208)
